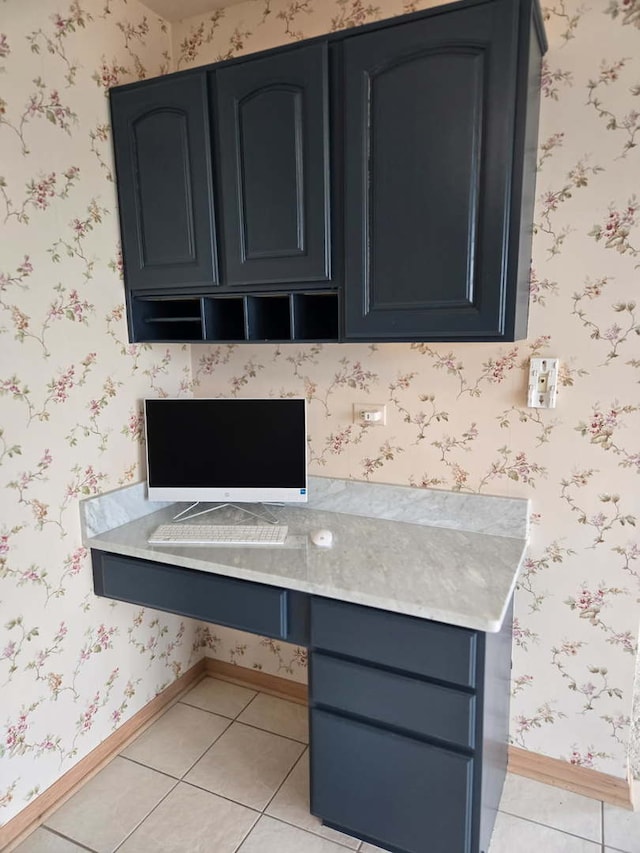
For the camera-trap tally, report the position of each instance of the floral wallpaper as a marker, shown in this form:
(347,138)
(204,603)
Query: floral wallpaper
(72,666)
(457,415)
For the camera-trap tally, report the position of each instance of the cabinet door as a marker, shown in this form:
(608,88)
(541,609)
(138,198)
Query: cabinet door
(429,112)
(162,151)
(393,790)
(272,132)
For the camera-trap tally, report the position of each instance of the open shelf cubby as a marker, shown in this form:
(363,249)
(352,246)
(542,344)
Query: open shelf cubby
(230,317)
(269,317)
(225,318)
(315,317)
(166,320)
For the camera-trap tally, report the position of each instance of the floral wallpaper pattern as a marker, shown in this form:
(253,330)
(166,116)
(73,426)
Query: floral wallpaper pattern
(73,667)
(457,417)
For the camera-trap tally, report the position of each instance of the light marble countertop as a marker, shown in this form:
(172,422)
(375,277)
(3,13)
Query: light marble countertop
(422,552)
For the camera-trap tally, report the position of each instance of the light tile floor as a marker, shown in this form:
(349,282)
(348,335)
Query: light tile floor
(225,770)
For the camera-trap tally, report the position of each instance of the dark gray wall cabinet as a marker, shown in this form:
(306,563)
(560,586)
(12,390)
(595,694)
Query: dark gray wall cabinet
(272,126)
(163,165)
(432,188)
(387,172)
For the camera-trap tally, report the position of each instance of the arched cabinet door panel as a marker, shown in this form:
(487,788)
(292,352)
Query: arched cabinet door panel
(273,144)
(430,122)
(162,149)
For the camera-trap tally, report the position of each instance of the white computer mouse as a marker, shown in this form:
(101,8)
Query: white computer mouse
(321,538)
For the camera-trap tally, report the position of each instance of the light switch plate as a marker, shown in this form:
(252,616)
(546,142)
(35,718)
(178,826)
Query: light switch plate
(543,383)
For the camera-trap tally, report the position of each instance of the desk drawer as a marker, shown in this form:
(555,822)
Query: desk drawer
(395,791)
(239,604)
(407,643)
(392,699)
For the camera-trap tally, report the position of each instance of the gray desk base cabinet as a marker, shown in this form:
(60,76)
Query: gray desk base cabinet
(408,717)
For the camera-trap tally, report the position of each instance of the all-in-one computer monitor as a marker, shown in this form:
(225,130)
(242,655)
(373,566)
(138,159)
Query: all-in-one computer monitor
(226,450)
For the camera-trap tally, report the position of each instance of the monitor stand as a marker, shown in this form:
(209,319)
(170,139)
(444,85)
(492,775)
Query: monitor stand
(265,515)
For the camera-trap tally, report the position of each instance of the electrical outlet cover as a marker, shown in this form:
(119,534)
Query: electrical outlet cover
(370,414)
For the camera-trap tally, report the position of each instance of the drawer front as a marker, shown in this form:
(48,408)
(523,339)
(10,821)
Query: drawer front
(392,699)
(414,645)
(393,790)
(240,604)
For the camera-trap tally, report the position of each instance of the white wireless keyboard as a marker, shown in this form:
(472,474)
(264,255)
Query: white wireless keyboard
(219,534)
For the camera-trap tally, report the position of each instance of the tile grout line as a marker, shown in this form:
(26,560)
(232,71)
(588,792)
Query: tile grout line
(250,702)
(209,711)
(263,811)
(181,779)
(548,826)
(177,781)
(254,726)
(139,824)
(148,767)
(139,763)
(204,711)
(231,720)
(241,845)
(213,742)
(306,831)
(67,838)
(260,814)
(295,826)
(221,796)
(317,834)
(248,833)
(209,677)
(291,769)
(304,743)
(259,811)
(243,723)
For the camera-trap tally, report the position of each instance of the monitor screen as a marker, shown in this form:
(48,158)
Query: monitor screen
(226,449)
